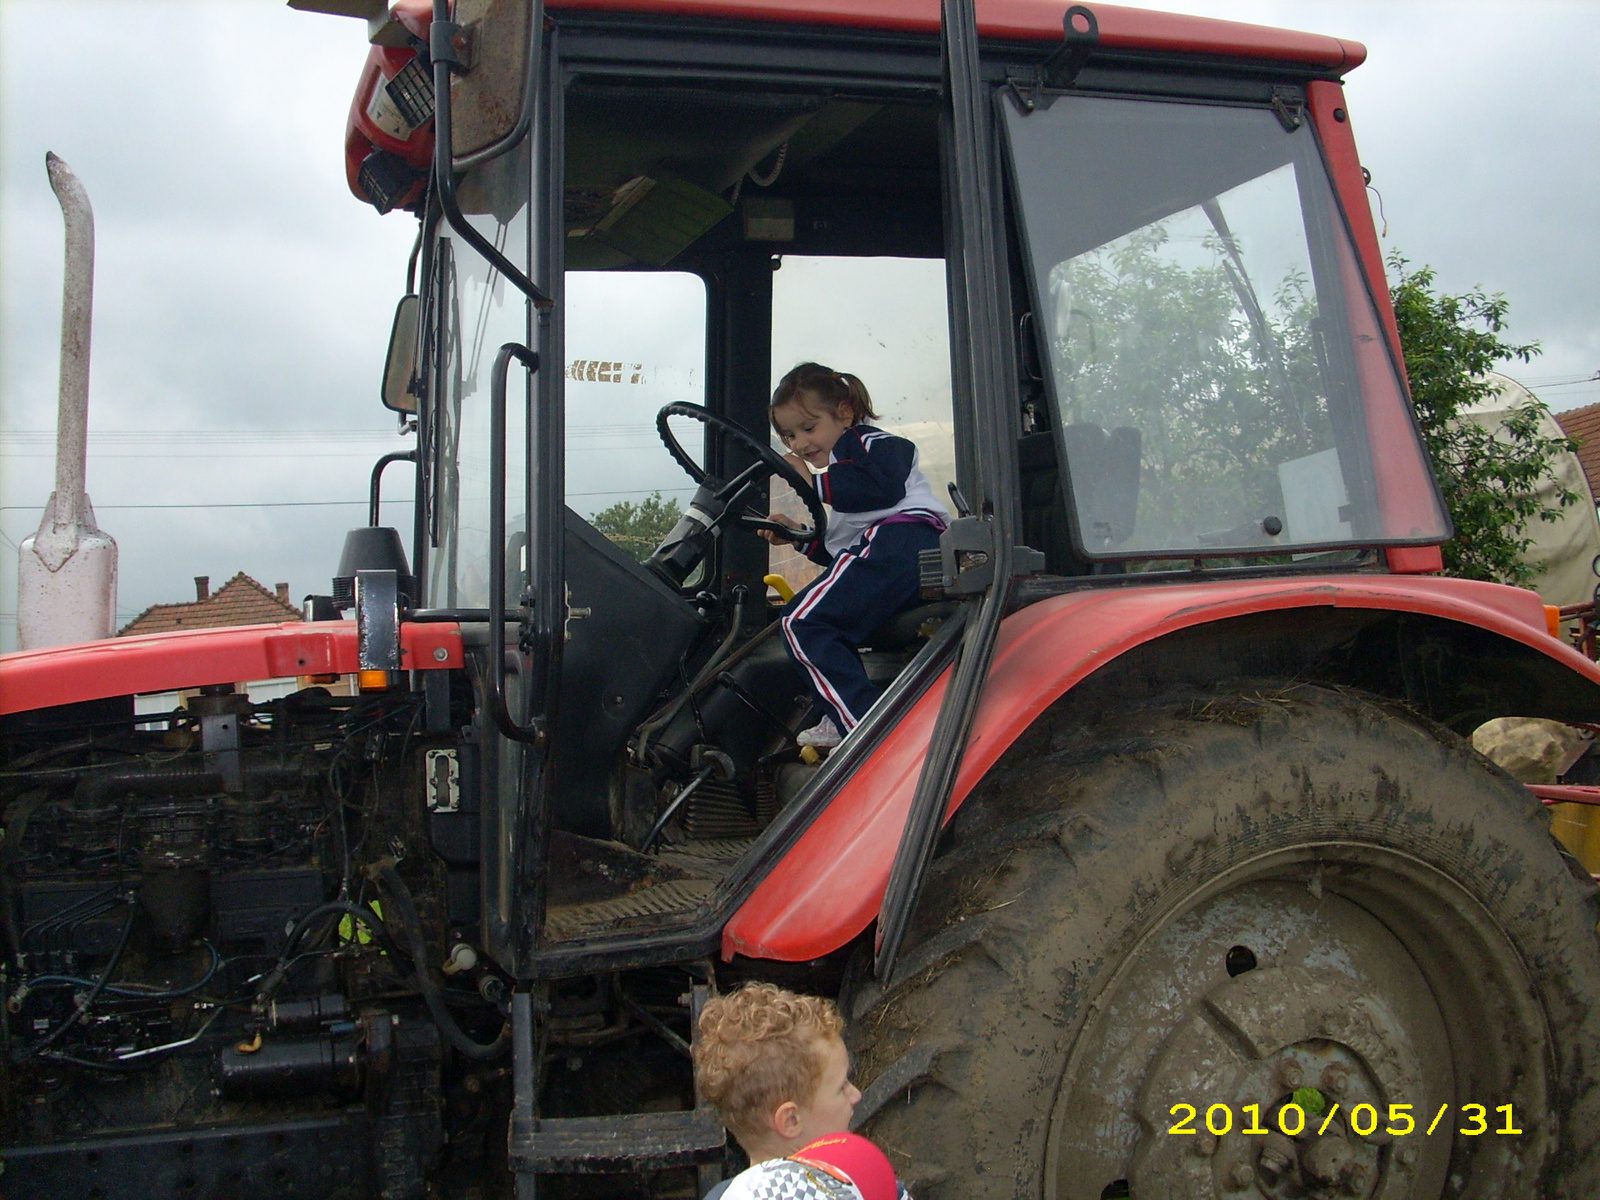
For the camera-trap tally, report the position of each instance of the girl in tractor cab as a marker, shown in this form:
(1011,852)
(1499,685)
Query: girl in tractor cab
(884,515)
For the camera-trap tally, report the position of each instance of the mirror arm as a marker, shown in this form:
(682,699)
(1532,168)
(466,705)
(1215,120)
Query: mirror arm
(444,177)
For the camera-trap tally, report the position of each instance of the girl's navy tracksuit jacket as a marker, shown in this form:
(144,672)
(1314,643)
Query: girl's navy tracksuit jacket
(884,514)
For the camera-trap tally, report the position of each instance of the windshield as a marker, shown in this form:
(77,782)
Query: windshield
(1216,366)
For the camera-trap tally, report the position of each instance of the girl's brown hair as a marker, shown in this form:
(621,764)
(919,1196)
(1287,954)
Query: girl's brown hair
(824,386)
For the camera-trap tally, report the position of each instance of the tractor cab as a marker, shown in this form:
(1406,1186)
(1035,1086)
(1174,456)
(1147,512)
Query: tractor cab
(1187,376)
(1164,814)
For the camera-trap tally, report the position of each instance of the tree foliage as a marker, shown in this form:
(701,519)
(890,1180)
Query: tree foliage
(1160,331)
(1489,476)
(638,526)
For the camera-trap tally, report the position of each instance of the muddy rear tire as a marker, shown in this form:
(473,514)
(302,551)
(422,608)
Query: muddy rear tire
(1214,900)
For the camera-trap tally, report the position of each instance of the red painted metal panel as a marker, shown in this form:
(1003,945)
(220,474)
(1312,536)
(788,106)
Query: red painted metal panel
(162,662)
(1559,793)
(829,887)
(1415,560)
(1022,20)
(1339,145)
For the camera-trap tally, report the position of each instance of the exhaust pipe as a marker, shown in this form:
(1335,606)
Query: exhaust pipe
(67,573)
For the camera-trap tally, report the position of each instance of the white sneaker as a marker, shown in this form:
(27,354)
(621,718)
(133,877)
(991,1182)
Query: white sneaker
(824,734)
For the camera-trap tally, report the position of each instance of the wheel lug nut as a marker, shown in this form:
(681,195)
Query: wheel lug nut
(1241,1177)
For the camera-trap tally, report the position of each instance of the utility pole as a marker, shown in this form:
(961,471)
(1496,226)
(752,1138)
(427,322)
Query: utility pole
(67,573)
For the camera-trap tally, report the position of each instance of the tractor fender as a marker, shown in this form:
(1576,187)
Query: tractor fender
(162,662)
(830,885)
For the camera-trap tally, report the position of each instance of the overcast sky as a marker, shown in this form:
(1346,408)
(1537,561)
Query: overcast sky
(243,297)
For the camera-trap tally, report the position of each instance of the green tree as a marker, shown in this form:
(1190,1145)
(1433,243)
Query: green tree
(1147,337)
(1489,477)
(638,527)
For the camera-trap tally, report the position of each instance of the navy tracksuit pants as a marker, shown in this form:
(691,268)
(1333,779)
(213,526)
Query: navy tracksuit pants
(836,612)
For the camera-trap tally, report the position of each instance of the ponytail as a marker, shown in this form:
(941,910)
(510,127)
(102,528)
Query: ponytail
(824,386)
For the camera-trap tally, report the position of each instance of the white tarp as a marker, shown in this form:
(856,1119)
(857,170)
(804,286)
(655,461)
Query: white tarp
(1563,550)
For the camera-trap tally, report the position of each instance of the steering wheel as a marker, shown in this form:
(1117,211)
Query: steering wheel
(768,462)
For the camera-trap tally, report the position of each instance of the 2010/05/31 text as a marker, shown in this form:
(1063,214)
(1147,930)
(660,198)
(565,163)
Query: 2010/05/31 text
(1292,1120)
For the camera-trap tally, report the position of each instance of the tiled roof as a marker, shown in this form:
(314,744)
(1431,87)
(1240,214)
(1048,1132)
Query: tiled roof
(240,601)
(1582,425)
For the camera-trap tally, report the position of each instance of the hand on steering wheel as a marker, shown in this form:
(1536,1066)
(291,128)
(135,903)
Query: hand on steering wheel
(769,462)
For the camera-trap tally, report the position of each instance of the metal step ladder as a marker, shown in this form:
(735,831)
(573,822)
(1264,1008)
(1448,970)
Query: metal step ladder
(650,1141)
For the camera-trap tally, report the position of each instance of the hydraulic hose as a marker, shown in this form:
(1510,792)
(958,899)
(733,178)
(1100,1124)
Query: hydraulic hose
(399,895)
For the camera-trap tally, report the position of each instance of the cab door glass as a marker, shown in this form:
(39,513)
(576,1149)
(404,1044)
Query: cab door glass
(1219,374)
(883,320)
(635,342)
(477,312)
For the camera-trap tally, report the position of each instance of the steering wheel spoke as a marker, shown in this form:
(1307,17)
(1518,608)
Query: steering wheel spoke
(768,463)
(731,490)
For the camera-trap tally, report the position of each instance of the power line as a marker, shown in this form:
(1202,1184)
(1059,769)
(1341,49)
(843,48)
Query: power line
(239,504)
(318,503)
(189,436)
(294,456)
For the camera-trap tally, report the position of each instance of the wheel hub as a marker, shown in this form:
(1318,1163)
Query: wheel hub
(1278,1060)
(1253,1051)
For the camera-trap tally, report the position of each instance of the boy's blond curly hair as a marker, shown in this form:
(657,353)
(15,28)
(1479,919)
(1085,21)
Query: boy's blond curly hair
(758,1047)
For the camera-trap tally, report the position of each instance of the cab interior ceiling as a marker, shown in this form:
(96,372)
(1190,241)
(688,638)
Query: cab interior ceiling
(656,176)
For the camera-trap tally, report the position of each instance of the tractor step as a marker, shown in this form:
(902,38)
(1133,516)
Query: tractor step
(651,1141)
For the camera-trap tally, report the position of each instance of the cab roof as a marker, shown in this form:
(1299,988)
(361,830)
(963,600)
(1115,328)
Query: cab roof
(1019,20)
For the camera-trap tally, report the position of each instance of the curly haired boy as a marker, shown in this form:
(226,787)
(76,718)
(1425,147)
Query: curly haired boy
(775,1066)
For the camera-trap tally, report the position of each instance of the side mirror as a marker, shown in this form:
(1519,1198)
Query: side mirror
(401,368)
(492,102)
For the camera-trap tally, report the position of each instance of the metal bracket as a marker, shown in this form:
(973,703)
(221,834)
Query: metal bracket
(1061,69)
(965,560)
(450,43)
(573,614)
(221,713)
(1290,106)
(378,620)
(442,781)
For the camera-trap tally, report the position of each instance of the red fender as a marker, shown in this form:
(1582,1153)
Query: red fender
(164,662)
(830,886)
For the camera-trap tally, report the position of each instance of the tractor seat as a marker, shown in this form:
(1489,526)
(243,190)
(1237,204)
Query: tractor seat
(908,627)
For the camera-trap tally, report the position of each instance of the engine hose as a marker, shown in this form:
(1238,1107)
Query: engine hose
(355,912)
(104,787)
(400,896)
(54,1035)
(136,993)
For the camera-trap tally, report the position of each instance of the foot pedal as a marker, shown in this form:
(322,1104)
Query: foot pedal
(652,1141)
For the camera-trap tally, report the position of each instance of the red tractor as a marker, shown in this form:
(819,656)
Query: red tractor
(1160,869)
